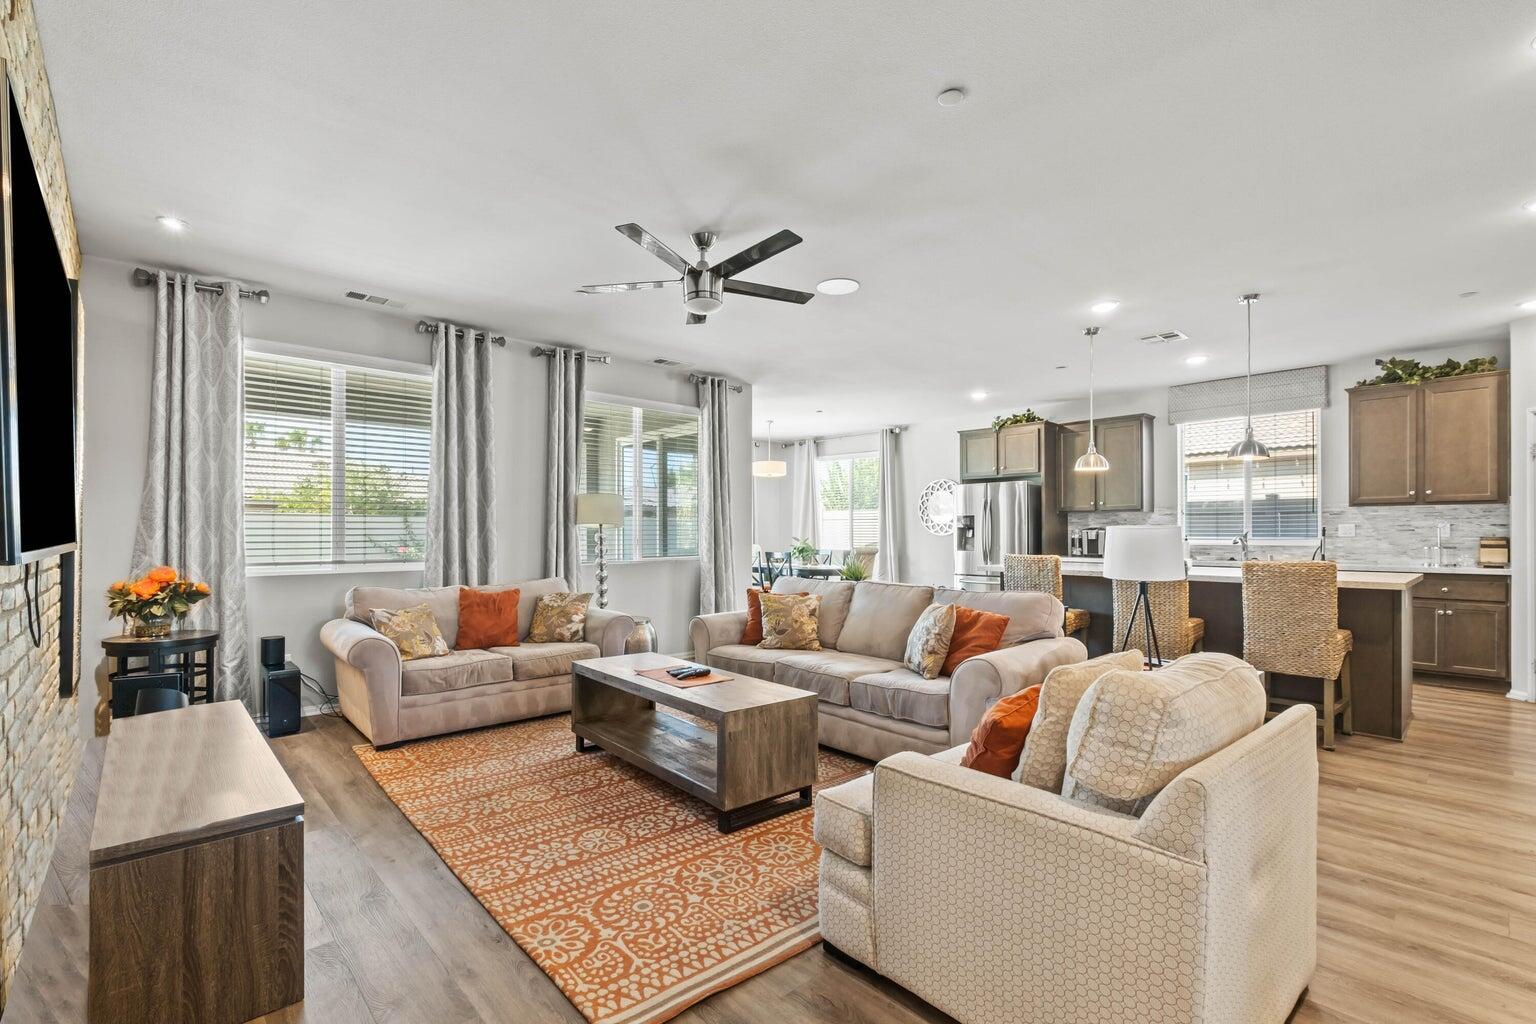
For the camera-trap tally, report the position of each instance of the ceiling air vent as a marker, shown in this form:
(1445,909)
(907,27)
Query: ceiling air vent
(1164,337)
(375,300)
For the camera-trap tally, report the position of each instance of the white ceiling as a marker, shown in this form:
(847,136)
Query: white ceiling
(1359,163)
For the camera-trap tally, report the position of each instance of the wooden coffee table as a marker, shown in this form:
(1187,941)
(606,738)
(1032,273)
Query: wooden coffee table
(758,746)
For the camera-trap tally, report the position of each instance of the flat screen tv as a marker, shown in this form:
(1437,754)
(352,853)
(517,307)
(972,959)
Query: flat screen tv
(38,445)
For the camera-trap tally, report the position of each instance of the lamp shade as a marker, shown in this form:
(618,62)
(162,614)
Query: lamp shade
(769,468)
(599,509)
(1151,553)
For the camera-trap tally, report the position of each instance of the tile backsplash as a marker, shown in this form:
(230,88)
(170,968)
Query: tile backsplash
(1390,535)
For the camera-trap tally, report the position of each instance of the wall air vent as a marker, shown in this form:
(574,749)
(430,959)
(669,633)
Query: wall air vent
(1164,337)
(375,300)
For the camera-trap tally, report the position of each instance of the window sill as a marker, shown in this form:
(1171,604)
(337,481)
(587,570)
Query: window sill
(337,569)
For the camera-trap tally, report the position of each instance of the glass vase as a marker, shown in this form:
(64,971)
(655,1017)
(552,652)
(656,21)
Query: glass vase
(149,626)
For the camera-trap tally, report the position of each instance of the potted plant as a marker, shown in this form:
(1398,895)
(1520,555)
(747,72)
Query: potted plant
(853,569)
(152,604)
(802,551)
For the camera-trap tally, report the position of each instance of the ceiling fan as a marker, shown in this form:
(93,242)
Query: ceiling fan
(703,284)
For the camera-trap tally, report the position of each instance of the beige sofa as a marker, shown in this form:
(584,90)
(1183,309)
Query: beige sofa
(870,704)
(997,900)
(390,701)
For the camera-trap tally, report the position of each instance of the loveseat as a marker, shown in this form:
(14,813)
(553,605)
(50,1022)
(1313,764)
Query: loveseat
(1159,867)
(870,704)
(390,700)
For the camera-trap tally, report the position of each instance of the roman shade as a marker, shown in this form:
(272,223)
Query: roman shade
(1279,391)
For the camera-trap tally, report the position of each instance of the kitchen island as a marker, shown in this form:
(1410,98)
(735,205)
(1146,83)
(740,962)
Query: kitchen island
(1376,607)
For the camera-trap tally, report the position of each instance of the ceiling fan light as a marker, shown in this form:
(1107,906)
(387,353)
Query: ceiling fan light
(769,468)
(1091,461)
(702,303)
(1249,449)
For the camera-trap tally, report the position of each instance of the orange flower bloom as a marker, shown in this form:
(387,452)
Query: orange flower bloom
(162,574)
(145,588)
(119,585)
(202,588)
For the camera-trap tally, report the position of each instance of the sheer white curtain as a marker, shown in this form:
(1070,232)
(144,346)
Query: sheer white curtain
(192,516)
(888,556)
(804,506)
(461,492)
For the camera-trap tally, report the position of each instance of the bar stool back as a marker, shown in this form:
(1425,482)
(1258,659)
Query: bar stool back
(1291,627)
(1178,633)
(1042,574)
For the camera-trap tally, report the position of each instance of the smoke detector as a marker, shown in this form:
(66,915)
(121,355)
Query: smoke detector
(375,300)
(1164,337)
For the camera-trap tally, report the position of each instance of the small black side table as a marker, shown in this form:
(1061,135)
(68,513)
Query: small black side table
(177,653)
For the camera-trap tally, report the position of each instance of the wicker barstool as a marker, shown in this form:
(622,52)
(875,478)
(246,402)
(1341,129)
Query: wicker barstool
(1178,633)
(1042,573)
(1291,626)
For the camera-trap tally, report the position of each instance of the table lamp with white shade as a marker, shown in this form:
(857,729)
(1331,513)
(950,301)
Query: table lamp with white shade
(600,510)
(1144,554)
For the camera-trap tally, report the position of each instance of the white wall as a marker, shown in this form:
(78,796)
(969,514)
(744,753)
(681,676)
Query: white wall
(120,319)
(1522,507)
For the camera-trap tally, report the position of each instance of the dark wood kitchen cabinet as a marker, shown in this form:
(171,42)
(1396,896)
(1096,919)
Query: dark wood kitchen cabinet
(978,454)
(1461,627)
(1126,441)
(1441,442)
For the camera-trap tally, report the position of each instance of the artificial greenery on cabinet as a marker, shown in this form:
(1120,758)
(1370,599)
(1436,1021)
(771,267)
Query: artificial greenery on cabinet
(1411,371)
(1027,416)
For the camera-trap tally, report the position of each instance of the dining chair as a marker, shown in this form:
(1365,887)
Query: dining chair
(1042,574)
(1291,627)
(1178,632)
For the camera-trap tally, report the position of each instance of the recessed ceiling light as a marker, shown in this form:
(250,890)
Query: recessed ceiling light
(838,286)
(175,225)
(951,97)
(1196,360)
(1529,206)
(1529,305)
(1106,306)
(978,396)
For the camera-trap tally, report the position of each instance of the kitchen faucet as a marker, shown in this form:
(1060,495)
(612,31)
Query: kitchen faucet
(1242,540)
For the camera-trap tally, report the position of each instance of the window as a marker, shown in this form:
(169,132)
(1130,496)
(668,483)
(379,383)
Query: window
(1274,499)
(848,488)
(336,462)
(650,457)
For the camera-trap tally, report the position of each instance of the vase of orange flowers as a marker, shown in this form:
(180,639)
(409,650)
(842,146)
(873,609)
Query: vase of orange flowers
(154,603)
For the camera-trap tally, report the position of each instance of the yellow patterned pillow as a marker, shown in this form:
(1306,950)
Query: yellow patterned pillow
(790,622)
(413,630)
(559,619)
(928,643)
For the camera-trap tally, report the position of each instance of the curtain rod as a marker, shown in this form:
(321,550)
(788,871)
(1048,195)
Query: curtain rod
(430,327)
(837,437)
(699,378)
(144,276)
(592,357)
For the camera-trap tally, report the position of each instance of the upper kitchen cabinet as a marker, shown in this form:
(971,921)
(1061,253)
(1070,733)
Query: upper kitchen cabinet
(1441,442)
(1021,449)
(1126,441)
(978,454)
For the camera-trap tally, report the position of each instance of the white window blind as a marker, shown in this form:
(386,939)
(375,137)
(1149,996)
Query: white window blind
(848,490)
(336,463)
(650,457)
(1274,499)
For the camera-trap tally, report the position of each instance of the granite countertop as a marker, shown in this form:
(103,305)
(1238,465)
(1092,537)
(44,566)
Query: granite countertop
(1349,579)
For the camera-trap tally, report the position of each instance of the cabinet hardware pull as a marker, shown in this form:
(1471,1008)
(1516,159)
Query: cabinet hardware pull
(1412,492)
(1445,590)
(1439,611)
(1428,491)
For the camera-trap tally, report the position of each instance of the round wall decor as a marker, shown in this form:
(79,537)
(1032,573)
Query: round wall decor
(936,507)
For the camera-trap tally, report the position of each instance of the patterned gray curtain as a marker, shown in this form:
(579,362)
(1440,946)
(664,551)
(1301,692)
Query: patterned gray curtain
(192,516)
(717,550)
(461,491)
(567,406)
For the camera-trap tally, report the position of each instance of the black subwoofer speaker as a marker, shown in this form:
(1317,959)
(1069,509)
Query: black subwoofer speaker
(284,687)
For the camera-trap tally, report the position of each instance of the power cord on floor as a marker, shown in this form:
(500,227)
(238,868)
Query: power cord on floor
(33,594)
(330,707)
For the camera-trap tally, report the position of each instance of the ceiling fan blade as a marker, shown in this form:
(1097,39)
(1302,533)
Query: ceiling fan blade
(625,286)
(694,318)
(768,291)
(653,245)
(753,255)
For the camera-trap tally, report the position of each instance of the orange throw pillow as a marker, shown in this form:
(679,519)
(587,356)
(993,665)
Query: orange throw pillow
(487,619)
(752,635)
(998,740)
(976,632)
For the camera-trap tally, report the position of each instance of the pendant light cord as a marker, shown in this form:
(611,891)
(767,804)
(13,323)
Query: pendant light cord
(1248,302)
(1092,332)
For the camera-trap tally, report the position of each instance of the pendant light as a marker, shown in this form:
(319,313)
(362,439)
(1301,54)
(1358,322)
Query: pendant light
(1091,461)
(769,467)
(1249,449)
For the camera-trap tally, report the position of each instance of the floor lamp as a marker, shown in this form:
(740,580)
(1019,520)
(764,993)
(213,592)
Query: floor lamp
(600,510)
(1144,554)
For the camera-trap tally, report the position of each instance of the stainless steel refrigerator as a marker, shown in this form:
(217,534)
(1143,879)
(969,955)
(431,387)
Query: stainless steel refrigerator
(993,520)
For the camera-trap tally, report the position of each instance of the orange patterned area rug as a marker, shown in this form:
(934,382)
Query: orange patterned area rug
(617,885)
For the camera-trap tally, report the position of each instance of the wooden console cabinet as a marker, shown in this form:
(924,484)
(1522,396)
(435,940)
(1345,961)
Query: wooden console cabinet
(1461,627)
(1441,442)
(197,873)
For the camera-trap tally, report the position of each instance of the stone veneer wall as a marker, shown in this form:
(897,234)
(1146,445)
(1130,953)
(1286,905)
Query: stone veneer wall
(40,738)
(1389,536)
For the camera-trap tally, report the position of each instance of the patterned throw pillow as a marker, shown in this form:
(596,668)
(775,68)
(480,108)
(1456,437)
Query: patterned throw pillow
(559,619)
(413,630)
(790,622)
(928,643)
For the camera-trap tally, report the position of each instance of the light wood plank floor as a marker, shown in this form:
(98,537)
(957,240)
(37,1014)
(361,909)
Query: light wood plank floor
(1427,908)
